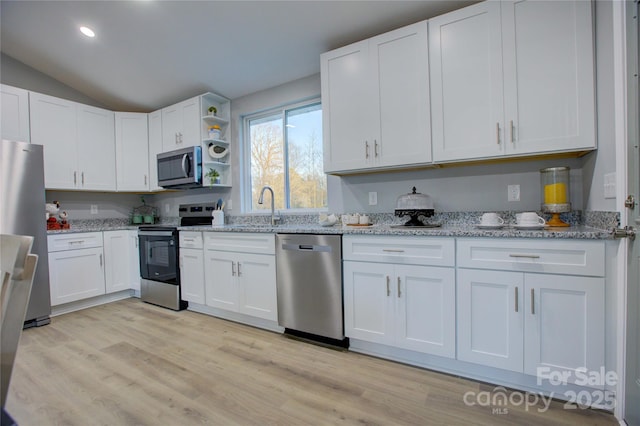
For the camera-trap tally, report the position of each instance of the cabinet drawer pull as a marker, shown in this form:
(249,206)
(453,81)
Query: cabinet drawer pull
(498,133)
(76,242)
(366,149)
(388,289)
(393,250)
(516,291)
(511,131)
(188,239)
(399,292)
(533,309)
(527,256)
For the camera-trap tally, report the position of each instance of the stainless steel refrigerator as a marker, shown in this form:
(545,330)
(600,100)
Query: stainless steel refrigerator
(22,212)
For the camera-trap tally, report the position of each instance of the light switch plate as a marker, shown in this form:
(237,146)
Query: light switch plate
(94,209)
(167,208)
(513,192)
(610,185)
(373,198)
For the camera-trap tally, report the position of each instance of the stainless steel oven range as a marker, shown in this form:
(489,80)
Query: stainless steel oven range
(159,272)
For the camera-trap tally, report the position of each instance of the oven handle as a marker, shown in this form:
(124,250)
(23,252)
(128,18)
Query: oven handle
(155,234)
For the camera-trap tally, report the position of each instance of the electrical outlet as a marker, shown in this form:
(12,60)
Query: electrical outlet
(227,204)
(373,198)
(94,209)
(610,185)
(513,192)
(167,208)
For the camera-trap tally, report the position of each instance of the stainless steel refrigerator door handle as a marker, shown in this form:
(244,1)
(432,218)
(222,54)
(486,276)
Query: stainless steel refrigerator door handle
(533,310)
(516,291)
(233,269)
(399,292)
(388,289)
(185,157)
(498,133)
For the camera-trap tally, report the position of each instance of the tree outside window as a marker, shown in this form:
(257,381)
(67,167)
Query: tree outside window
(286,154)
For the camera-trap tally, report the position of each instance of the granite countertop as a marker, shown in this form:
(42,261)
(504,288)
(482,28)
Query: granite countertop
(455,224)
(574,232)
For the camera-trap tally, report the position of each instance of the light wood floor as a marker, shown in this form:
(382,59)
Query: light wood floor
(130,363)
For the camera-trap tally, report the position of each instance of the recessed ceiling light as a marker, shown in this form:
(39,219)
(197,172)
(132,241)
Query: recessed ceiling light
(87,31)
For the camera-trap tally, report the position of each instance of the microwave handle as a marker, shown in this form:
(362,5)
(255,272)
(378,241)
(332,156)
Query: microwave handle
(185,163)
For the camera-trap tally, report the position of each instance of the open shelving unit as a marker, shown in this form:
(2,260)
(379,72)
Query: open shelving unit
(216,152)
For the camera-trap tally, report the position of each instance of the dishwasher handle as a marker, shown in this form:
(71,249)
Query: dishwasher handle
(306,247)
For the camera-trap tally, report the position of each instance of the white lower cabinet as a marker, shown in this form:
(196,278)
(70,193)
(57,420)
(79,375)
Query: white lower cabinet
(409,306)
(192,267)
(238,281)
(532,322)
(122,269)
(76,267)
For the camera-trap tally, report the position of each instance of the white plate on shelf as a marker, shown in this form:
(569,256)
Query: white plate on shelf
(497,226)
(529,227)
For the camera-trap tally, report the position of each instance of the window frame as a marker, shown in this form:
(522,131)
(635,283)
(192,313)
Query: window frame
(245,155)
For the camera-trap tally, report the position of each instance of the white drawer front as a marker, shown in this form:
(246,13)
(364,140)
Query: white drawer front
(189,239)
(407,250)
(240,242)
(60,242)
(547,256)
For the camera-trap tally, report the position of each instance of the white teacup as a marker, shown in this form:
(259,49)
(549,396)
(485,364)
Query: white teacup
(529,219)
(491,219)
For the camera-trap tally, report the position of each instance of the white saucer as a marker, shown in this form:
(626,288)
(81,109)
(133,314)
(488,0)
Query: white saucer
(497,226)
(529,227)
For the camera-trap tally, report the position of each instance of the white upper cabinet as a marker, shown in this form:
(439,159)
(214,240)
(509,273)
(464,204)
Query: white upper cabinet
(79,143)
(132,151)
(375,102)
(96,148)
(181,125)
(512,78)
(155,148)
(54,125)
(15,113)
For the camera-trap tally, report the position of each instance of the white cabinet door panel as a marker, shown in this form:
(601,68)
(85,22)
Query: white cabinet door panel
(564,324)
(466,83)
(76,275)
(155,148)
(118,260)
(256,275)
(15,114)
(132,151)
(549,89)
(425,314)
(490,322)
(220,280)
(96,148)
(368,302)
(192,281)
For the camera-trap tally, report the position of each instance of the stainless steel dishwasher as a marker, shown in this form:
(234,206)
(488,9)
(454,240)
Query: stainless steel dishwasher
(309,281)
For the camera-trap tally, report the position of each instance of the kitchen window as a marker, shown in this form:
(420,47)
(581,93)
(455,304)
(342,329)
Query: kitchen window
(283,149)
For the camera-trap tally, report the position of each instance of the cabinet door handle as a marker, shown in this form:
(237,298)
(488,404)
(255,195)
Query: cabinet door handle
(75,177)
(516,291)
(399,292)
(527,256)
(393,251)
(82,174)
(533,309)
(498,133)
(145,179)
(366,149)
(101,260)
(375,147)
(511,131)
(233,269)
(388,289)
(239,272)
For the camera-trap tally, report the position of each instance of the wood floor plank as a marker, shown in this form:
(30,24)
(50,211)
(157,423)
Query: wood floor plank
(131,363)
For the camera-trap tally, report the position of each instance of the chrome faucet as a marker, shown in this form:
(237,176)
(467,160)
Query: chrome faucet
(274,219)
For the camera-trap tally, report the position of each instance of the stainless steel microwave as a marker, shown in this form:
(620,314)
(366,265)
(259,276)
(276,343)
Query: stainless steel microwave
(180,169)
